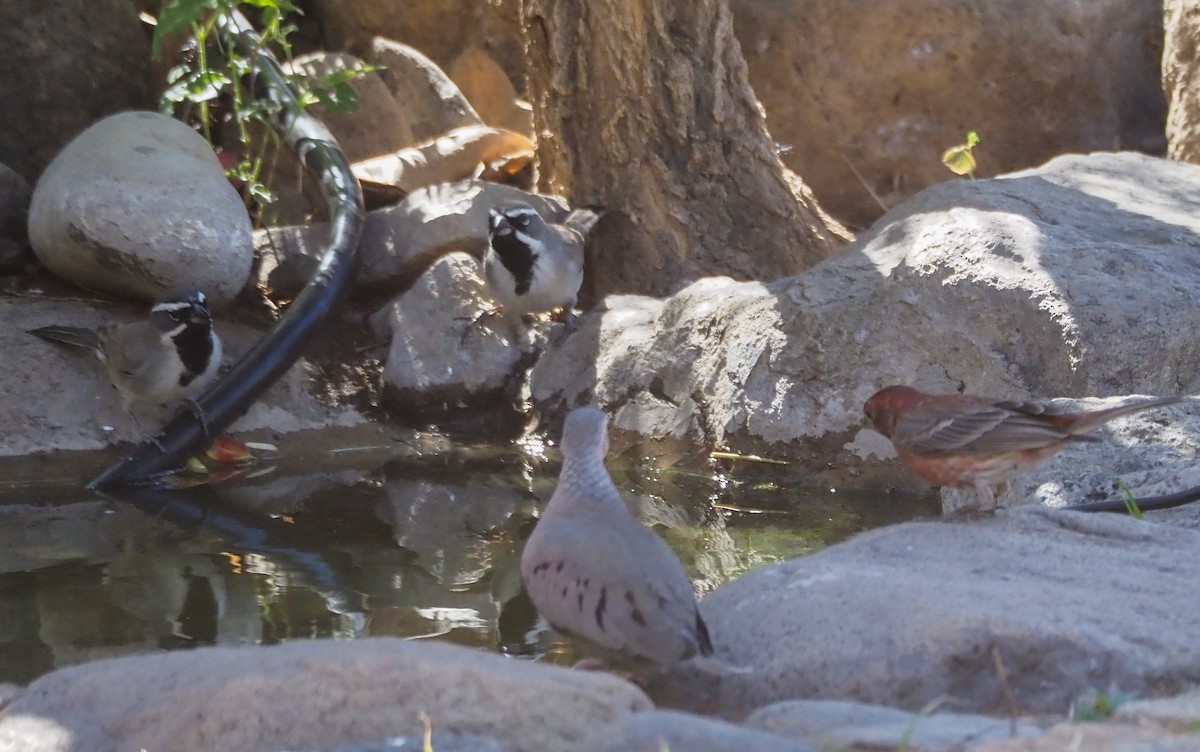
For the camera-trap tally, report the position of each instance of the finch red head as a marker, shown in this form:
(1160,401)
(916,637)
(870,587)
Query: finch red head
(959,440)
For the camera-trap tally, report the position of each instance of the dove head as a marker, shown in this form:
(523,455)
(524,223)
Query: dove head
(884,407)
(585,434)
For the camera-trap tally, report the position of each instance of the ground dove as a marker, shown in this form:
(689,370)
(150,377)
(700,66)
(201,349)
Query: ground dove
(600,577)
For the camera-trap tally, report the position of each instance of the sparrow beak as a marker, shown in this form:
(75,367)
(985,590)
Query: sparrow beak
(498,223)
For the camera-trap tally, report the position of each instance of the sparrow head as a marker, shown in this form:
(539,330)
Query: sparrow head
(884,407)
(585,432)
(181,309)
(515,217)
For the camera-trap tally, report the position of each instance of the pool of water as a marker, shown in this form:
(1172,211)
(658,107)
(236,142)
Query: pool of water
(424,549)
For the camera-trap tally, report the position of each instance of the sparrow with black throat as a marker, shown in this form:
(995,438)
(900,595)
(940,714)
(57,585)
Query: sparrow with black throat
(534,266)
(161,361)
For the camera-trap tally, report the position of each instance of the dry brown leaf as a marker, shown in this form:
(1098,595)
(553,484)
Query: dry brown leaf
(462,153)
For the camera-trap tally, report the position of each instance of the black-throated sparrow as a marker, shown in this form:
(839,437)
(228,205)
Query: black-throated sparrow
(169,357)
(535,266)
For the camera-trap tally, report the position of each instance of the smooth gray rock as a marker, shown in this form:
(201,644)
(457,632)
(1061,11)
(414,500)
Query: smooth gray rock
(1079,278)
(662,729)
(833,724)
(432,104)
(311,694)
(904,615)
(439,364)
(137,204)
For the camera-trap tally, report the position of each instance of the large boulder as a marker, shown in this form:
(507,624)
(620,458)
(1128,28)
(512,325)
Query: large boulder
(14,212)
(310,694)
(66,65)
(440,29)
(866,96)
(1079,278)
(1027,608)
(138,204)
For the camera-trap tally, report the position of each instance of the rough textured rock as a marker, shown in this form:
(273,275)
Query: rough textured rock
(138,204)
(906,614)
(67,64)
(1079,278)
(14,210)
(655,120)
(60,398)
(1181,78)
(484,82)
(1177,714)
(659,730)
(310,694)
(416,743)
(400,242)
(1098,737)
(436,368)
(430,102)
(379,124)
(441,29)
(887,87)
(854,726)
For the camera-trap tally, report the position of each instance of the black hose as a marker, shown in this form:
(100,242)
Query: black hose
(231,396)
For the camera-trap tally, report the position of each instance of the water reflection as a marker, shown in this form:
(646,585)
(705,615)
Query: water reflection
(426,550)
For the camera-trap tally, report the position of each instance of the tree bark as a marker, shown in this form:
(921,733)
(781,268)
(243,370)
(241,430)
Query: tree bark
(1181,73)
(645,107)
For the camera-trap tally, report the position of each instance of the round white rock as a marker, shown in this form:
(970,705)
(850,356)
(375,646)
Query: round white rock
(137,204)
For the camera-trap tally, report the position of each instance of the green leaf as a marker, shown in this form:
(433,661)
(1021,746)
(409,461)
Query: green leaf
(339,99)
(178,16)
(263,195)
(960,159)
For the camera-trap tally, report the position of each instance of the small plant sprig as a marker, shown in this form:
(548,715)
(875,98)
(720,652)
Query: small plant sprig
(1131,504)
(208,83)
(961,159)
(1099,706)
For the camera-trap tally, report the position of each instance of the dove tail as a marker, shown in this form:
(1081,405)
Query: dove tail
(704,642)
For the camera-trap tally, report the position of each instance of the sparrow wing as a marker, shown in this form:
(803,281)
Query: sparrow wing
(983,428)
(136,358)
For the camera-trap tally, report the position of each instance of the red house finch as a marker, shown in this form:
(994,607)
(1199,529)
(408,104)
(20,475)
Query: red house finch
(958,440)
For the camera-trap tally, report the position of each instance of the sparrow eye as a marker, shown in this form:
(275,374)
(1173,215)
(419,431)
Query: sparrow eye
(519,220)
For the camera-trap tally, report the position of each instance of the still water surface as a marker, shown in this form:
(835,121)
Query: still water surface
(424,549)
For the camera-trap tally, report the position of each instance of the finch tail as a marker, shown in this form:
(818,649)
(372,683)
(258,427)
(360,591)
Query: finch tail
(69,335)
(1084,422)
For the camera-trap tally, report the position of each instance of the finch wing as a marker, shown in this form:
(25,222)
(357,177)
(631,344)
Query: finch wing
(983,429)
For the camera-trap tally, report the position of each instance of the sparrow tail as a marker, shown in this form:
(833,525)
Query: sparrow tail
(69,335)
(583,219)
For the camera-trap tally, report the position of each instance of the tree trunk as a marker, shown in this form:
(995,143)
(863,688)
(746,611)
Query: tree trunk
(644,107)
(1181,74)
